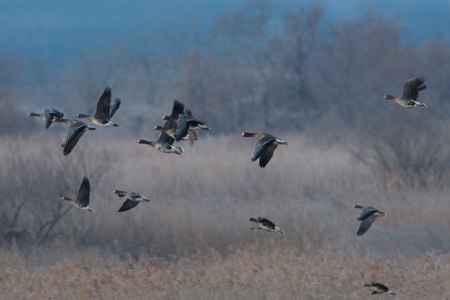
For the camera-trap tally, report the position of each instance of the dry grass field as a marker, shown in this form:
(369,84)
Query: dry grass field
(247,273)
(193,240)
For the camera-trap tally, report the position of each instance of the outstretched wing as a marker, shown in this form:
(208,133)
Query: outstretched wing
(74,133)
(128,204)
(177,109)
(103,105)
(182,127)
(47,118)
(261,146)
(267,155)
(84,193)
(365,225)
(114,107)
(49,114)
(411,88)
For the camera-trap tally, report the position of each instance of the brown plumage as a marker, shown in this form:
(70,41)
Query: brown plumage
(83,198)
(165,141)
(367,217)
(264,147)
(105,111)
(378,288)
(48,115)
(163,144)
(411,90)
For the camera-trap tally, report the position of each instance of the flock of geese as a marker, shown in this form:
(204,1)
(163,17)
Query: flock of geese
(182,125)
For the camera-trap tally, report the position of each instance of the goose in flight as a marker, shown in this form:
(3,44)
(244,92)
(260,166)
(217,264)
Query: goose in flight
(82,200)
(163,144)
(265,224)
(264,147)
(170,126)
(188,125)
(74,132)
(48,115)
(411,90)
(133,199)
(367,217)
(165,141)
(378,288)
(105,111)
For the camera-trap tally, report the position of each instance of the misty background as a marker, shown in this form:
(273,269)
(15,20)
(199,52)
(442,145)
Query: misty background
(309,61)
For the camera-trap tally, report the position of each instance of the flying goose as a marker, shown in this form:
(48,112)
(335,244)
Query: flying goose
(411,90)
(82,200)
(74,132)
(165,141)
(367,217)
(48,115)
(378,288)
(171,125)
(264,147)
(265,224)
(133,199)
(105,111)
(187,124)
(163,144)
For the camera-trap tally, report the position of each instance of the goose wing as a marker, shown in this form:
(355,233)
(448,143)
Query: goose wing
(84,193)
(365,225)
(128,204)
(47,118)
(266,222)
(49,114)
(267,155)
(192,137)
(103,105)
(261,146)
(177,109)
(114,107)
(74,133)
(192,133)
(183,126)
(411,88)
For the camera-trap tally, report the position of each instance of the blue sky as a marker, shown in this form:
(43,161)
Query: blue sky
(56,31)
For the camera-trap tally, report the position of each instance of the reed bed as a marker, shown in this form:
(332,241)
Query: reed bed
(259,271)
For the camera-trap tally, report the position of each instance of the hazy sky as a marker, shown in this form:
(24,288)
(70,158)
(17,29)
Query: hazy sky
(57,30)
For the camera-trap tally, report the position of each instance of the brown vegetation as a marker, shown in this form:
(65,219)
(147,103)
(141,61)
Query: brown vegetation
(247,273)
(193,240)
